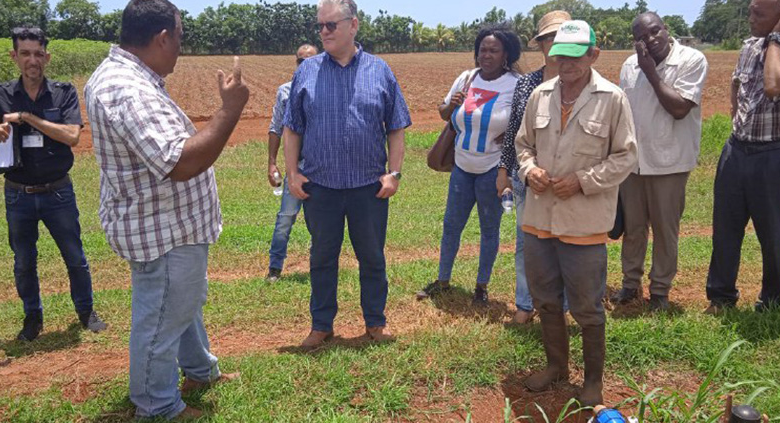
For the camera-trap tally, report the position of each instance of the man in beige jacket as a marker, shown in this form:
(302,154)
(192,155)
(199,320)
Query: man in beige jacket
(576,145)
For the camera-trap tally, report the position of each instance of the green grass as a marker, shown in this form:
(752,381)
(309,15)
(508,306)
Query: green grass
(448,354)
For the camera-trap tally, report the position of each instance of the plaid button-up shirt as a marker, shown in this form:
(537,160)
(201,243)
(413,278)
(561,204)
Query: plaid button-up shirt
(138,134)
(758,117)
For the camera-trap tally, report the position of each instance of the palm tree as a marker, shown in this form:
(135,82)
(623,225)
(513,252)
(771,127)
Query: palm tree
(443,37)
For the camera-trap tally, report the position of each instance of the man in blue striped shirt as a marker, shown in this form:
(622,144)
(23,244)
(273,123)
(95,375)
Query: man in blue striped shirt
(348,106)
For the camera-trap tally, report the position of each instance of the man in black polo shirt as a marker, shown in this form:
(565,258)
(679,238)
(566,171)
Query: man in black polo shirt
(46,121)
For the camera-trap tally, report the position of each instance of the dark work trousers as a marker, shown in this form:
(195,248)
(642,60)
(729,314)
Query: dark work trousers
(326,211)
(747,186)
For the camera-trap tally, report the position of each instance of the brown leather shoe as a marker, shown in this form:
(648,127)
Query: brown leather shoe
(380,334)
(523,317)
(193,385)
(189,413)
(316,338)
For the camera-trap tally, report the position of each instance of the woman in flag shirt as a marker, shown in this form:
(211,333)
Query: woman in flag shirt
(480,117)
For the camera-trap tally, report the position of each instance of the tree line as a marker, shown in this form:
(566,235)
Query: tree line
(265,28)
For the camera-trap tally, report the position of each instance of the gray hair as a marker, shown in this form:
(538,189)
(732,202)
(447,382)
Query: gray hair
(347,7)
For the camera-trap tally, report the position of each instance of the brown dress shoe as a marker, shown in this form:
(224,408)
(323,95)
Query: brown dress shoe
(380,334)
(523,317)
(189,413)
(193,385)
(316,338)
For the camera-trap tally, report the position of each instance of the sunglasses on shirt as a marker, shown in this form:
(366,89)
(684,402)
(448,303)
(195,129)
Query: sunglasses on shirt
(330,25)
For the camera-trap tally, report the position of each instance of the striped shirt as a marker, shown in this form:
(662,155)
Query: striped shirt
(138,134)
(757,118)
(282,95)
(344,113)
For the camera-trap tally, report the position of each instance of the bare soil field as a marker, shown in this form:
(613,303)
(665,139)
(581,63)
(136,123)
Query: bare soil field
(425,79)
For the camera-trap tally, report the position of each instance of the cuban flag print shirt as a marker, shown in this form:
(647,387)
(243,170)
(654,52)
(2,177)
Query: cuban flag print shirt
(482,120)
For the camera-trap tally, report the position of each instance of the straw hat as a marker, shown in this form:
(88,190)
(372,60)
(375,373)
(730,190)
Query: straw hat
(549,23)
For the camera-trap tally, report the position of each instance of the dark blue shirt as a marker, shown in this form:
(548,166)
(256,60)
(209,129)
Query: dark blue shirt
(344,113)
(57,102)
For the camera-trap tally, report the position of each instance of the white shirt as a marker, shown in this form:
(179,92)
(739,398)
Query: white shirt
(666,145)
(482,120)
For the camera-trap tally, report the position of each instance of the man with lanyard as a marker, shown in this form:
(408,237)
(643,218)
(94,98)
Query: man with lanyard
(348,107)
(663,83)
(290,206)
(45,117)
(746,183)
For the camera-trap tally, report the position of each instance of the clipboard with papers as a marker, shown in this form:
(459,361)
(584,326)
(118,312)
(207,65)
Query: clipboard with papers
(10,152)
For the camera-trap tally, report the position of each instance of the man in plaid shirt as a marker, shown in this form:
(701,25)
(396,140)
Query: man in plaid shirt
(158,201)
(746,183)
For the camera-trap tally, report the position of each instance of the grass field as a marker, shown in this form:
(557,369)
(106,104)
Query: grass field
(450,363)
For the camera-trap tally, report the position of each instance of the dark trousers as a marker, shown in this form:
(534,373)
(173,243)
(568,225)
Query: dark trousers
(747,186)
(57,209)
(554,267)
(325,211)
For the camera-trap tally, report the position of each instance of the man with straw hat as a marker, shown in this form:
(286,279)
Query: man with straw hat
(507,167)
(576,145)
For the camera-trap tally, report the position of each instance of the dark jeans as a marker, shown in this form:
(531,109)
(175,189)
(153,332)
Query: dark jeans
(57,209)
(325,211)
(747,186)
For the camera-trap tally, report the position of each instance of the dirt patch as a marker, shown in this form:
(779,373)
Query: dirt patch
(425,78)
(488,405)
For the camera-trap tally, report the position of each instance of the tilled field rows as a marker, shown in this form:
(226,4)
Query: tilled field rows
(425,78)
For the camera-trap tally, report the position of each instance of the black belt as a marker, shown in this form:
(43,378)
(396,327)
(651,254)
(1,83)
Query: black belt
(37,189)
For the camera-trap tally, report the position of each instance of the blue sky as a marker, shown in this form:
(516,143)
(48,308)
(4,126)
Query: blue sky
(449,12)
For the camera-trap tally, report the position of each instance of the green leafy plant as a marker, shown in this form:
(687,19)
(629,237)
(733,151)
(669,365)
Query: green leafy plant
(658,406)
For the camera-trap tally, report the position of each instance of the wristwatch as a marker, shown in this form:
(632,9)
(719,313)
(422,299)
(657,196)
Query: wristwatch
(396,175)
(774,36)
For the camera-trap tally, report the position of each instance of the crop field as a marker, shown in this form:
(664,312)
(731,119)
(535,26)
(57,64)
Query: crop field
(451,362)
(425,79)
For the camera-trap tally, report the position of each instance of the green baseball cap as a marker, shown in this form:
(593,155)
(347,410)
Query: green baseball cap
(573,39)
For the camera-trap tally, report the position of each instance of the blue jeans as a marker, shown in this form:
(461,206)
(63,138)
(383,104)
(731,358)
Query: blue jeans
(57,209)
(523,299)
(167,331)
(285,219)
(465,190)
(326,209)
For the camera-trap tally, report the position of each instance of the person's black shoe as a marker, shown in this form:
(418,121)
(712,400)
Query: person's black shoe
(659,303)
(480,296)
(33,325)
(624,296)
(90,320)
(273,274)
(433,289)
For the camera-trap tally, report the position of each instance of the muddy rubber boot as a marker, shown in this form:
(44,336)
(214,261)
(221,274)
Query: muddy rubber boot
(556,347)
(593,352)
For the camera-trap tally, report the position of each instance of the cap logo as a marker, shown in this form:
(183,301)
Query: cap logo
(570,29)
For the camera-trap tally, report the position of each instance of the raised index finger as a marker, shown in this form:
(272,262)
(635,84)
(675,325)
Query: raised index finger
(236,69)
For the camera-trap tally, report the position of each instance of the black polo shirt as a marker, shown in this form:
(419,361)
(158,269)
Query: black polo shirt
(57,102)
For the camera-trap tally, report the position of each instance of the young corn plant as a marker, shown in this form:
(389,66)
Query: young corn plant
(703,406)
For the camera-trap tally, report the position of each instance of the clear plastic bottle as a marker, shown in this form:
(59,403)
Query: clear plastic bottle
(279,188)
(507,201)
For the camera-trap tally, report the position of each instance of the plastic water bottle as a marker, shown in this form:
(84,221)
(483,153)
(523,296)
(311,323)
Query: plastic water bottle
(507,201)
(279,188)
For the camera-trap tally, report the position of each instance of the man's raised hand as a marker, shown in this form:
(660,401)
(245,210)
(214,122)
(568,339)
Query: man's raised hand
(232,90)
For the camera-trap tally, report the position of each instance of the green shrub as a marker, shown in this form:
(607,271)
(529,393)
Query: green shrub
(69,58)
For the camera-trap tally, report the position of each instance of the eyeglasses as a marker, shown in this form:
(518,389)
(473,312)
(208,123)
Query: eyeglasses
(330,25)
(546,37)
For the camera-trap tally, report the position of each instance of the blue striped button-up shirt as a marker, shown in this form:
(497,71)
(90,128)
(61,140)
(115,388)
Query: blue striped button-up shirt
(344,113)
